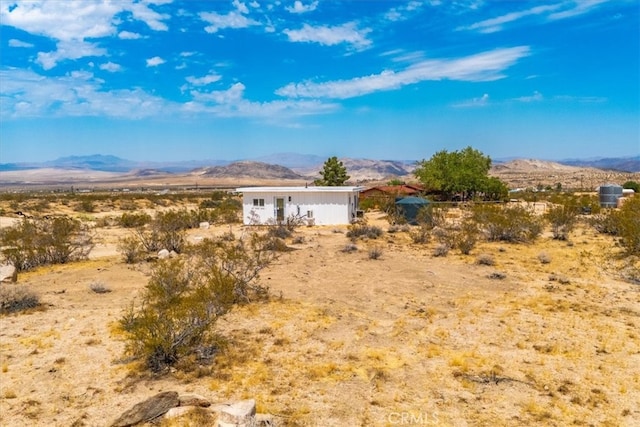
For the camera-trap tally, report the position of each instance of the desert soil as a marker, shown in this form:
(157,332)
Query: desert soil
(406,339)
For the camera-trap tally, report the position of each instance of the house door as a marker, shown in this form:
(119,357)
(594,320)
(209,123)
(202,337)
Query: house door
(279,209)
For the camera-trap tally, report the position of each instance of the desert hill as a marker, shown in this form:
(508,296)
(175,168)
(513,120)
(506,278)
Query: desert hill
(248,169)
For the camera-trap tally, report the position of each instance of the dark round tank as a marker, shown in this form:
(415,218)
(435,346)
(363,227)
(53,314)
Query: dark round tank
(609,195)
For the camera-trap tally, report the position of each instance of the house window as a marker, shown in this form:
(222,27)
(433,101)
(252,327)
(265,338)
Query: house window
(309,214)
(258,202)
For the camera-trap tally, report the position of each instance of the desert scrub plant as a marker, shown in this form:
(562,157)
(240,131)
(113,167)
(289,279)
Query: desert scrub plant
(134,219)
(131,249)
(421,234)
(507,223)
(360,230)
(40,241)
(485,259)
(99,287)
(628,225)
(562,219)
(17,298)
(544,258)
(349,248)
(184,298)
(375,253)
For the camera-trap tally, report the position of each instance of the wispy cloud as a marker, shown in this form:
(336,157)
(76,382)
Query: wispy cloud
(347,33)
(155,61)
(536,97)
(204,80)
(235,19)
(18,43)
(548,12)
(485,66)
(28,94)
(496,24)
(299,7)
(231,103)
(482,101)
(581,99)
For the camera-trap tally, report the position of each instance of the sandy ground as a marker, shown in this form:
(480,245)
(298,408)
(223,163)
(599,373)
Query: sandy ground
(407,339)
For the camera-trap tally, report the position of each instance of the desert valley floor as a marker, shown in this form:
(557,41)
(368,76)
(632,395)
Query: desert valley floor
(406,339)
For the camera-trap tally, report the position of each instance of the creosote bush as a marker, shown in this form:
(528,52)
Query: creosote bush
(507,223)
(185,296)
(562,219)
(40,241)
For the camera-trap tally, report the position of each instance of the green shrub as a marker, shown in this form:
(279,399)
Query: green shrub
(627,221)
(131,249)
(135,219)
(562,219)
(185,297)
(507,223)
(34,242)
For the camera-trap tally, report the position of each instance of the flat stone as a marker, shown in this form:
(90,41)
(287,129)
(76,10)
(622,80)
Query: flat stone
(148,410)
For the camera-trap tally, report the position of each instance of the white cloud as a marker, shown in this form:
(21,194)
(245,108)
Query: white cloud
(155,61)
(111,67)
(299,7)
(550,12)
(578,8)
(69,49)
(485,66)
(231,103)
(234,19)
(329,36)
(482,101)
(205,80)
(128,35)
(27,94)
(18,43)
(403,12)
(218,22)
(69,22)
(153,19)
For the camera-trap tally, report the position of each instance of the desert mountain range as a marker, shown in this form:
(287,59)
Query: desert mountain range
(298,168)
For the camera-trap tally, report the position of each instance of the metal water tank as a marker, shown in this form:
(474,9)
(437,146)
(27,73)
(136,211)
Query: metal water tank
(609,195)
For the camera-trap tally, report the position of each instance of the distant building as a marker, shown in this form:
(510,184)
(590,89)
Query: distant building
(315,205)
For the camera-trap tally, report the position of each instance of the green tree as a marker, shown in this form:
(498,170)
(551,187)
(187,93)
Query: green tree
(334,173)
(632,185)
(462,172)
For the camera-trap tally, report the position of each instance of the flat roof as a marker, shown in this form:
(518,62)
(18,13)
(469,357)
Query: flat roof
(310,189)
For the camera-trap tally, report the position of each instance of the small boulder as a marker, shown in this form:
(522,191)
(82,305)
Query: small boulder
(148,410)
(238,414)
(163,254)
(192,399)
(204,225)
(8,273)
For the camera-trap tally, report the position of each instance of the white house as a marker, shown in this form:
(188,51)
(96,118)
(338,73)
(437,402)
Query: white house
(316,205)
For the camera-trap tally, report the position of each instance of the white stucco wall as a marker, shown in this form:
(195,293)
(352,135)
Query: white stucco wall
(327,205)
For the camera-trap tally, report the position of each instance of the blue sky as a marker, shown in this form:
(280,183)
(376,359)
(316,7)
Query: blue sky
(162,80)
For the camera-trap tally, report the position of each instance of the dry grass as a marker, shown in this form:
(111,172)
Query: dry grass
(354,342)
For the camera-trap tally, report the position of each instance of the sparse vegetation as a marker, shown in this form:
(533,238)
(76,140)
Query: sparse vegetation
(507,223)
(360,230)
(185,297)
(38,241)
(17,298)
